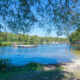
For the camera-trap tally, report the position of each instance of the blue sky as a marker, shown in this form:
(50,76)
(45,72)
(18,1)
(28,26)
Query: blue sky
(42,32)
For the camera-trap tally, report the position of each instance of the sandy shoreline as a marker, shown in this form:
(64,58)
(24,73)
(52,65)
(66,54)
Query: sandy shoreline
(72,66)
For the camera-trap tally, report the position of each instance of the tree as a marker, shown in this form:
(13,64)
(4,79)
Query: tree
(75,36)
(34,39)
(0,27)
(18,15)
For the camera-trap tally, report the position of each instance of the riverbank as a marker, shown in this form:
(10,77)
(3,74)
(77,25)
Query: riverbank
(11,43)
(35,71)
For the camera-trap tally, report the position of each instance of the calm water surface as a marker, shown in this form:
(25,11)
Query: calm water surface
(45,54)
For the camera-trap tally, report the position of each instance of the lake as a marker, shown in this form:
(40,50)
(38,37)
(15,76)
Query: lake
(44,54)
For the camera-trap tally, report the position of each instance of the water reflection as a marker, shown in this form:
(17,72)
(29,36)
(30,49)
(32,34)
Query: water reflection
(75,46)
(75,49)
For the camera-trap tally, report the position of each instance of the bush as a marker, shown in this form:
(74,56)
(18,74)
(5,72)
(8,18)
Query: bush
(4,64)
(34,66)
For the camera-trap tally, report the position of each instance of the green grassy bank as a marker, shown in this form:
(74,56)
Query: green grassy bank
(35,71)
(11,43)
(10,71)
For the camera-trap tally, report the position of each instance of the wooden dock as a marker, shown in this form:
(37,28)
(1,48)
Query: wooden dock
(27,46)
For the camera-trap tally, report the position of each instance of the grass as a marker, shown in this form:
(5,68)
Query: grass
(18,70)
(25,74)
(35,71)
(10,43)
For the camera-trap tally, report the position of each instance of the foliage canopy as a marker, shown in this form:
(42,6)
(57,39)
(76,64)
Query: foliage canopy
(75,36)
(20,15)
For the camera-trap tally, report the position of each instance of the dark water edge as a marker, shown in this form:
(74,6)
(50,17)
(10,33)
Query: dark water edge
(75,46)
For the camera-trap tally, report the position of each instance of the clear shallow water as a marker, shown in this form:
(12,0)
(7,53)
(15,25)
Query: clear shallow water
(45,54)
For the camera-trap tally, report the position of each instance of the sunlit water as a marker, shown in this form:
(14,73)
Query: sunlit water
(45,54)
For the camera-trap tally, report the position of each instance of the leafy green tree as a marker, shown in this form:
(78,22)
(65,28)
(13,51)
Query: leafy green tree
(18,16)
(75,36)
(34,39)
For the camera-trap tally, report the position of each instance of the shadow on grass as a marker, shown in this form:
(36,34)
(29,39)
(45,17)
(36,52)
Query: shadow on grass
(34,71)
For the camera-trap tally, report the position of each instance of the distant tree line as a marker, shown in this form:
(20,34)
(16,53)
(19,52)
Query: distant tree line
(75,36)
(10,37)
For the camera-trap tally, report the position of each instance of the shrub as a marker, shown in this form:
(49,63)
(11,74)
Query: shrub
(34,66)
(4,64)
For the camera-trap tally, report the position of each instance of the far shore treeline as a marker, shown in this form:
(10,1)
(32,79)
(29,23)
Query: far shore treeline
(9,38)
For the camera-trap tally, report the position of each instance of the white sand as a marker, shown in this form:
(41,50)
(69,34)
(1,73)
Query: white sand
(73,66)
